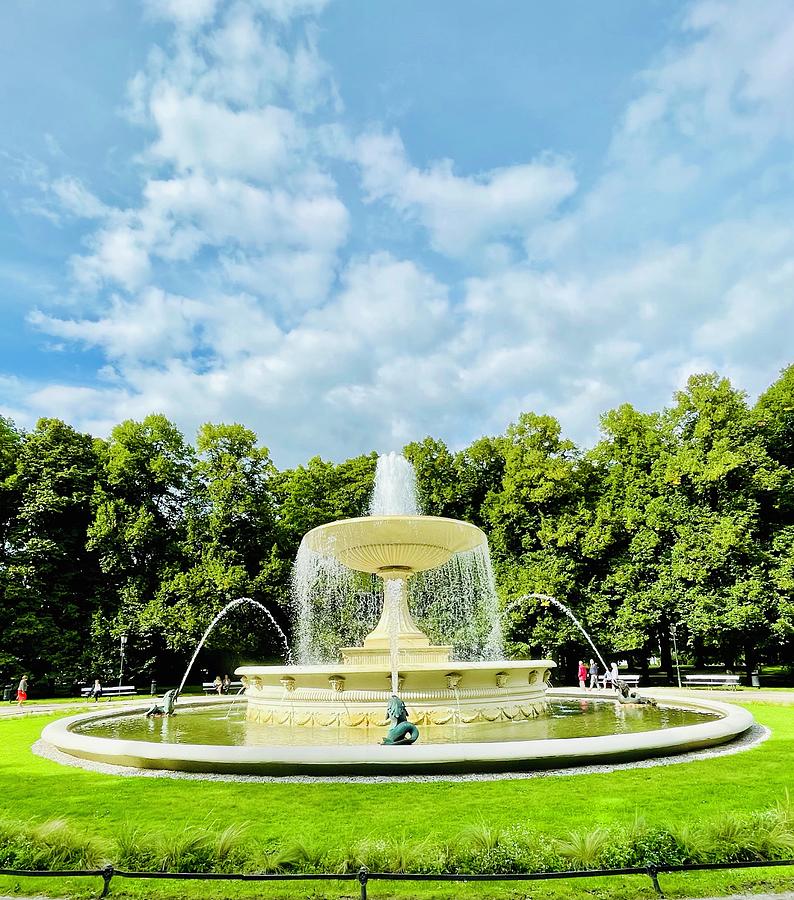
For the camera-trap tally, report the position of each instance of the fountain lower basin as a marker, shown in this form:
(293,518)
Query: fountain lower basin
(435,693)
(717,724)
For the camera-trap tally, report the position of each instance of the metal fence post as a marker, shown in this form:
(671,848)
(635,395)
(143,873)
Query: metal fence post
(363,878)
(654,875)
(107,876)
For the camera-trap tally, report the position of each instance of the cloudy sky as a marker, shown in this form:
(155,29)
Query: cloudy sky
(350,224)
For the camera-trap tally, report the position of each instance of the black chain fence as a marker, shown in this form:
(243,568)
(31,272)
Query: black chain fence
(364,877)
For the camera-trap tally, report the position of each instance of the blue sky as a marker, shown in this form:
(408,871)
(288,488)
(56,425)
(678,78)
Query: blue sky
(352,224)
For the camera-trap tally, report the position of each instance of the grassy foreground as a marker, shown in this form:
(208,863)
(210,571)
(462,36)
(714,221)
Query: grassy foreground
(335,816)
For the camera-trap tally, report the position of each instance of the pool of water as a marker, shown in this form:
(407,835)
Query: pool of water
(227,726)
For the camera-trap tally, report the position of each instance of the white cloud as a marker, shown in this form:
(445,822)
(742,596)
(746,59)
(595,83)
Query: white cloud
(284,10)
(242,299)
(197,134)
(462,212)
(75,198)
(184,13)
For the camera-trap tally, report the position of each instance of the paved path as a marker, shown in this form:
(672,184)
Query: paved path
(785,697)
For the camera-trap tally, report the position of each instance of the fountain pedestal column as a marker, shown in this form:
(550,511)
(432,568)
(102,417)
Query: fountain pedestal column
(396,639)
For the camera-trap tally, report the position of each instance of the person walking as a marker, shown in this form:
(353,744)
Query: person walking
(613,675)
(582,675)
(593,674)
(22,691)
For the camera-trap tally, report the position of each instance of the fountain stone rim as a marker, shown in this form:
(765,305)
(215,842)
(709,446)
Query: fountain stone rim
(394,546)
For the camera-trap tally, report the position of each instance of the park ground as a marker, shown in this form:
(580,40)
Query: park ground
(322,815)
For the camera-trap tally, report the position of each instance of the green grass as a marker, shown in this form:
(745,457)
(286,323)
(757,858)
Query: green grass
(309,819)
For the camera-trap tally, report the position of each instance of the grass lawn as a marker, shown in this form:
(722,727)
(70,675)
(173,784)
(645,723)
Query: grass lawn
(327,815)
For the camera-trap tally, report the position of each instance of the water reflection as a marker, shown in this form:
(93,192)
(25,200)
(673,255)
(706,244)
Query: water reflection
(566,719)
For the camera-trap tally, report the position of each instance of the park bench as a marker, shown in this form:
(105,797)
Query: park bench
(125,690)
(712,681)
(630,680)
(211,688)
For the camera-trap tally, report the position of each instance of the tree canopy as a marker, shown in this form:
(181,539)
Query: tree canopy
(678,519)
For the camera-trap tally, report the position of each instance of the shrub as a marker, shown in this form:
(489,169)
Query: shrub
(584,849)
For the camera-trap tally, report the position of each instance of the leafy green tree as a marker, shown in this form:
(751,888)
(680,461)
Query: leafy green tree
(50,579)
(436,477)
(138,531)
(228,545)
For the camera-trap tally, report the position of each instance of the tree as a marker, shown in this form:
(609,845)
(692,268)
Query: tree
(138,531)
(50,578)
(436,477)
(228,543)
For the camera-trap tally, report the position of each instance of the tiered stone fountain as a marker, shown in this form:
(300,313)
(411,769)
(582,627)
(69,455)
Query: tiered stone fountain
(477,712)
(396,656)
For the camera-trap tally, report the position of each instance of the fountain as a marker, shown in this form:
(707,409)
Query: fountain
(394,543)
(397,603)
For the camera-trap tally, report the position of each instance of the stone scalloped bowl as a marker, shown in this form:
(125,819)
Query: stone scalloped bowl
(385,543)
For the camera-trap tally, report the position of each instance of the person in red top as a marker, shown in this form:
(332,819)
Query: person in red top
(582,674)
(22,691)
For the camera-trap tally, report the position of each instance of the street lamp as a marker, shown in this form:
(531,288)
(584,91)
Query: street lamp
(122,645)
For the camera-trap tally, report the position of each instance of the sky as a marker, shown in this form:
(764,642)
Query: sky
(349,224)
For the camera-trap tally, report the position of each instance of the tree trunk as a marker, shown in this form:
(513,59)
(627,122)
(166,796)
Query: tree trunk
(665,653)
(750,660)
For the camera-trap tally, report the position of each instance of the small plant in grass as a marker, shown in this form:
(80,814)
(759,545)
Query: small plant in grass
(62,846)
(135,852)
(49,845)
(266,859)
(771,836)
(405,854)
(482,836)
(184,850)
(300,856)
(229,847)
(584,849)
(694,844)
(728,838)
(346,859)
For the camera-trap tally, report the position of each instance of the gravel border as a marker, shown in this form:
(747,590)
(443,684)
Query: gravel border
(754,736)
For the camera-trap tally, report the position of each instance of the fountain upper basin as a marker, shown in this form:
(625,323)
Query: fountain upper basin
(394,546)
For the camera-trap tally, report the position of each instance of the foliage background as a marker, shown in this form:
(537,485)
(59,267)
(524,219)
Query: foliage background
(682,518)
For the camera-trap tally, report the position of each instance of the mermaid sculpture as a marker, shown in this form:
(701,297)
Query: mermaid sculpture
(402,731)
(631,695)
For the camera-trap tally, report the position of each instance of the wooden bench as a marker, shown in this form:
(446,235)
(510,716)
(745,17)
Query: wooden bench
(211,688)
(631,680)
(126,690)
(712,681)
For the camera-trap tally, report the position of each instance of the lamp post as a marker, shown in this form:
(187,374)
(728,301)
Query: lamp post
(122,645)
(674,633)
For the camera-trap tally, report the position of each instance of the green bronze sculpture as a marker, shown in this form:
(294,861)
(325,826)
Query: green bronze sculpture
(167,709)
(630,695)
(402,731)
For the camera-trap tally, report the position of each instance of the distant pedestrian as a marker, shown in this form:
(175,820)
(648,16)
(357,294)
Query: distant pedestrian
(96,691)
(218,684)
(593,674)
(22,691)
(613,675)
(227,684)
(582,675)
